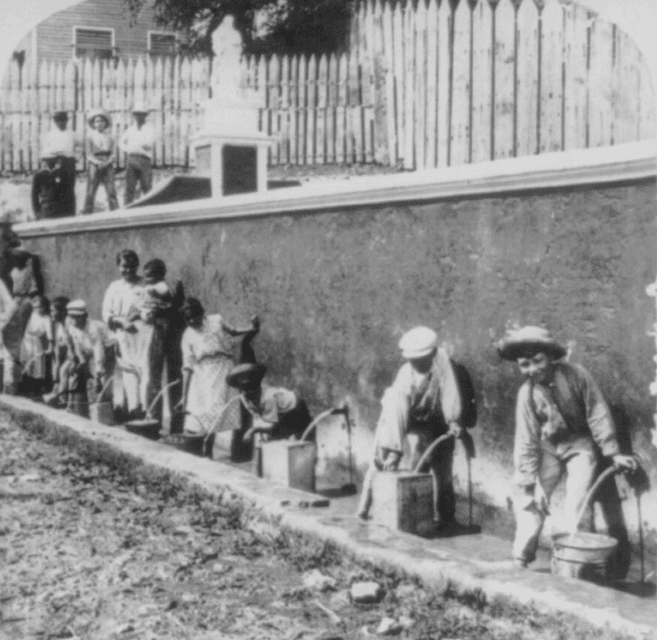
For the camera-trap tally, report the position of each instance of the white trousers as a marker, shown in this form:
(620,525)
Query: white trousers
(580,464)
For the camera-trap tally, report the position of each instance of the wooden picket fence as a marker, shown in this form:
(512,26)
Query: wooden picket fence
(422,85)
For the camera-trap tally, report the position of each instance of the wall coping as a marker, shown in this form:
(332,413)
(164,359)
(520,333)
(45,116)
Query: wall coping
(604,165)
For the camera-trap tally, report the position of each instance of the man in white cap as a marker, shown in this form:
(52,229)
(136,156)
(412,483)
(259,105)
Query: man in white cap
(563,424)
(422,404)
(138,142)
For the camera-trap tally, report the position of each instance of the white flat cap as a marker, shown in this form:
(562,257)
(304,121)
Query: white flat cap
(76,307)
(418,342)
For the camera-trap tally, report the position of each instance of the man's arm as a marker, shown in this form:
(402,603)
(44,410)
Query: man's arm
(527,445)
(450,395)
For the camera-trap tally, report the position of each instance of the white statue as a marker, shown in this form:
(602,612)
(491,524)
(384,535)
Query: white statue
(227,83)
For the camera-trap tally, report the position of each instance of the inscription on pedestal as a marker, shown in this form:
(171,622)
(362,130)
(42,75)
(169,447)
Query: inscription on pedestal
(240,165)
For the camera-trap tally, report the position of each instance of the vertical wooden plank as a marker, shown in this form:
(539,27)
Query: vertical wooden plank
(626,91)
(503,130)
(647,129)
(482,75)
(444,66)
(354,136)
(399,80)
(410,95)
(600,90)
(140,81)
(96,87)
(164,104)
(294,109)
(32,120)
(366,61)
(341,111)
(331,105)
(302,120)
(527,80)
(176,88)
(4,110)
(311,110)
(274,104)
(119,119)
(575,63)
(432,85)
(16,107)
(460,122)
(388,53)
(380,73)
(420,128)
(26,118)
(550,124)
(285,110)
(320,152)
(185,109)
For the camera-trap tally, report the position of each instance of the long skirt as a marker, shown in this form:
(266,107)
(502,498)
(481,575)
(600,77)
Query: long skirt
(208,396)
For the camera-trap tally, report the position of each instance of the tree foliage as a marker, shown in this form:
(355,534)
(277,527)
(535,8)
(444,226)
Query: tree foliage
(267,26)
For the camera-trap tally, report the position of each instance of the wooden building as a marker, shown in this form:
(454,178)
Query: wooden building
(101,29)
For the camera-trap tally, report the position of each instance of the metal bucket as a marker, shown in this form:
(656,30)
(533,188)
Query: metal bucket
(576,554)
(148,428)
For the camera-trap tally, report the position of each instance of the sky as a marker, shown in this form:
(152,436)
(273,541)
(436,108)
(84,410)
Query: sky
(637,17)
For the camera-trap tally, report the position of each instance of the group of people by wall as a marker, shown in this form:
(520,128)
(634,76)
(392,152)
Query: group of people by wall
(152,348)
(53,187)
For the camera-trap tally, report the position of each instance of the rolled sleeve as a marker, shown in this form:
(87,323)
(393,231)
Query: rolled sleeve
(527,446)
(450,396)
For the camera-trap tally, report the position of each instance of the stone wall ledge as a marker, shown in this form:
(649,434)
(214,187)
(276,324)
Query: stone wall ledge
(605,165)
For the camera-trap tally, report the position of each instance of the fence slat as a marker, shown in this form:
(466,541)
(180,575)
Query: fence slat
(409,97)
(482,75)
(527,83)
(599,84)
(294,109)
(354,133)
(320,149)
(331,105)
(341,111)
(504,48)
(420,129)
(388,100)
(460,121)
(311,112)
(444,66)
(646,102)
(285,110)
(164,103)
(550,124)
(575,57)
(432,86)
(399,67)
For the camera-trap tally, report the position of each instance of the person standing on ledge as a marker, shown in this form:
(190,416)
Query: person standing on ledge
(138,142)
(423,403)
(62,143)
(563,424)
(100,161)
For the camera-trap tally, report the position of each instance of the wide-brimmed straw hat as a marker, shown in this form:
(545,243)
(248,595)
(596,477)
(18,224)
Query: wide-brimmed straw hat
(528,341)
(99,112)
(246,376)
(418,342)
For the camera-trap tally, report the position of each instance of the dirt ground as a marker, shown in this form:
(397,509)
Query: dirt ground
(90,551)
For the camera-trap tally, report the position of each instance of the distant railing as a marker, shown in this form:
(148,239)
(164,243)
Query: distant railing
(426,85)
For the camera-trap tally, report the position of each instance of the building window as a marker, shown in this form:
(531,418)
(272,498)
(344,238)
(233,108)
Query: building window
(161,44)
(93,43)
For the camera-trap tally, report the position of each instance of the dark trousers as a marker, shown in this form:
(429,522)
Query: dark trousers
(138,169)
(97,176)
(67,186)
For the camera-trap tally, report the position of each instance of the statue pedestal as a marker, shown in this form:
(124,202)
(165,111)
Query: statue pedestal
(231,151)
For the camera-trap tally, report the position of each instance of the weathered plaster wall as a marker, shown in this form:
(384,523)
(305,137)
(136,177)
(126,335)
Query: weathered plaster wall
(336,289)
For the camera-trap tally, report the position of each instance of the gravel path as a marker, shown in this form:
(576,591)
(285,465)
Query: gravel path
(89,553)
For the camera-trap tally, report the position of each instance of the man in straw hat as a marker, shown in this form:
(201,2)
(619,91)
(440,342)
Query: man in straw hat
(562,425)
(100,160)
(423,403)
(138,142)
(63,143)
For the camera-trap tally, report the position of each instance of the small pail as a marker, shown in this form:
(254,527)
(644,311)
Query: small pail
(577,554)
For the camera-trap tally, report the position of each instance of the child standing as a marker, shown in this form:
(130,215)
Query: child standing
(36,352)
(100,151)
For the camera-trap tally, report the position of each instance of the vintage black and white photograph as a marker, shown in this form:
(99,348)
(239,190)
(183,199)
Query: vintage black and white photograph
(328,320)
